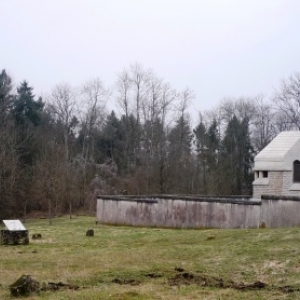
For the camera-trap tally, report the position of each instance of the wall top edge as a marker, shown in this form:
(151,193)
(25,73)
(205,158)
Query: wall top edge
(280,197)
(181,196)
(244,200)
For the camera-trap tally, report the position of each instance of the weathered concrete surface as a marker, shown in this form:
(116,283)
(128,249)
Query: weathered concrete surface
(280,211)
(179,211)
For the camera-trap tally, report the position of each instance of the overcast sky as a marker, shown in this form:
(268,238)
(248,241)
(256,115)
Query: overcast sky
(217,48)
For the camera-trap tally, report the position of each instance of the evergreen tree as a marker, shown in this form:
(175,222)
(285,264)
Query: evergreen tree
(153,145)
(236,157)
(111,141)
(213,158)
(27,115)
(247,157)
(202,150)
(207,143)
(131,153)
(6,97)
(8,148)
(179,157)
(26,110)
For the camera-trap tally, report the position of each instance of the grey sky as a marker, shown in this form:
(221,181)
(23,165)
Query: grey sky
(218,48)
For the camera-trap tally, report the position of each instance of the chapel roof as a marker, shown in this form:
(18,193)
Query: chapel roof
(279,154)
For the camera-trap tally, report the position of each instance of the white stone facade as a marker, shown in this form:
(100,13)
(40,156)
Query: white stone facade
(272,185)
(274,167)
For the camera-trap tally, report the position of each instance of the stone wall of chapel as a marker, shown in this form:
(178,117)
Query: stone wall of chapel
(274,187)
(287,183)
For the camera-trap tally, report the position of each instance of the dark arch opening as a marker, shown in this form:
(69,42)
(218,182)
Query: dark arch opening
(296,171)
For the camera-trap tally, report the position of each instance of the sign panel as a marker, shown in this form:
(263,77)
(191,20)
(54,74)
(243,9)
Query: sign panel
(14,225)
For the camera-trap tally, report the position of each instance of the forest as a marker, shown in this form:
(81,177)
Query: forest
(58,152)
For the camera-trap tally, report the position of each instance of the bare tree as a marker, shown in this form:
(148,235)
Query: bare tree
(282,122)
(138,79)
(168,97)
(245,108)
(94,100)
(287,100)
(123,86)
(185,100)
(95,97)
(180,166)
(63,105)
(49,184)
(227,109)
(150,113)
(263,125)
(242,108)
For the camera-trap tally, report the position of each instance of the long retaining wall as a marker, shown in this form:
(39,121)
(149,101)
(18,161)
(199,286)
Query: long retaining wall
(179,211)
(182,211)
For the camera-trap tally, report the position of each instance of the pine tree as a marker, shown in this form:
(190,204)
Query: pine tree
(27,115)
(26,109)
(213,158)
(111,141)
(179,157)
(8,148)
(202,150)
(236,157)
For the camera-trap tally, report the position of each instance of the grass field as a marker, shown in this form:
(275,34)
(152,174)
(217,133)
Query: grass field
(123,263)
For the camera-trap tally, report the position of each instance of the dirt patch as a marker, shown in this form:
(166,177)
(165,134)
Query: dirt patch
(179,277)
(179,269)
(289,289)
(257,285)
(52,286)
(126,281)
(186,278)
(26,286)
(182,277)
(153,275)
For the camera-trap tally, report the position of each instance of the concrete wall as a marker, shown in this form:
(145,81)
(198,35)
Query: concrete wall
(198,212)
(280,211)
(179,212)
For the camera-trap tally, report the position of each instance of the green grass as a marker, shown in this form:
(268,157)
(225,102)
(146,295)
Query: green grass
(123,263)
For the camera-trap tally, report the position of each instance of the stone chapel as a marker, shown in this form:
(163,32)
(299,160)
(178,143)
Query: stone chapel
(277,167)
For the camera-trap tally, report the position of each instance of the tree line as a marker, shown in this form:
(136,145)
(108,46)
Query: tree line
(59,152)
